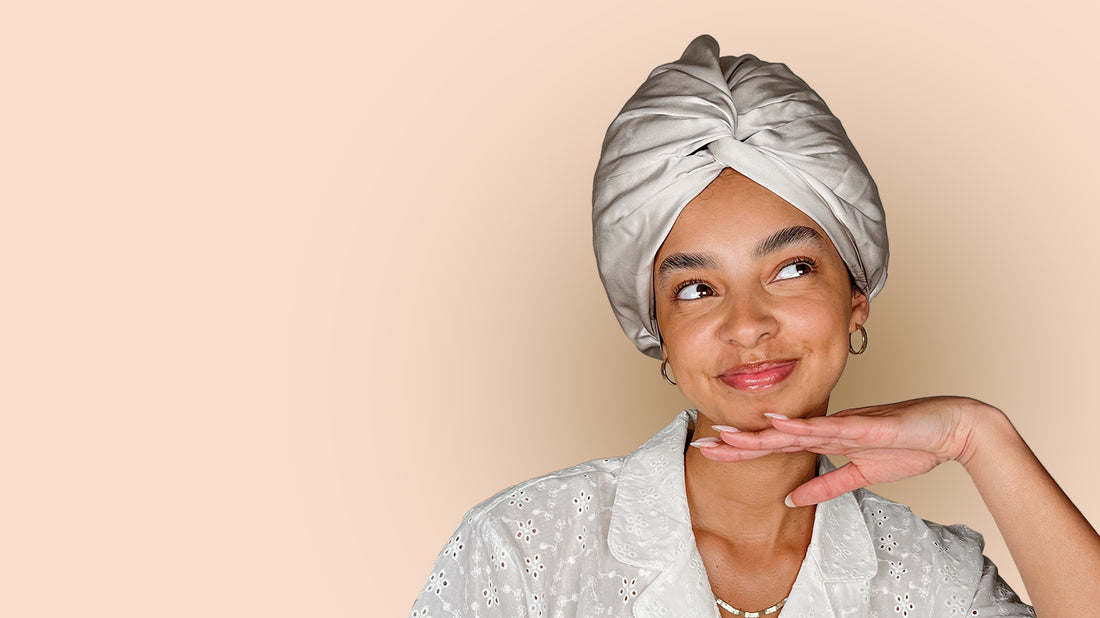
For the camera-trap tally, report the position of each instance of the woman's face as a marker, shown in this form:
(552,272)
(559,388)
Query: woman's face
(754,306)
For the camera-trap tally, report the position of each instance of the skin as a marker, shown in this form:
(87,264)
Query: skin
(732,304)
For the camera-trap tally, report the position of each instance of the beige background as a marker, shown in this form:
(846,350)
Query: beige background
(288,287)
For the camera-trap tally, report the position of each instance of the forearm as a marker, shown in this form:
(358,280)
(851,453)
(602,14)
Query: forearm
(1054,547)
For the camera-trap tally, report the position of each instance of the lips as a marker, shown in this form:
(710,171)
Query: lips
(752,377)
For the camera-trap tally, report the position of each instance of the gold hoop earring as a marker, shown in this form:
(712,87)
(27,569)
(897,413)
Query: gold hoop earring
(664,372)
(863,345)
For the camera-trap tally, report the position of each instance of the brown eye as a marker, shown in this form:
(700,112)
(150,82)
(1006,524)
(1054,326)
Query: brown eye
(692,291)
(792,271)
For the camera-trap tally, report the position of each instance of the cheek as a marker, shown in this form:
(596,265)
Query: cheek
(822,324)
(685,338)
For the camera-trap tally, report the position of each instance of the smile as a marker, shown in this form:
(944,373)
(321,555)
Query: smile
(760,376)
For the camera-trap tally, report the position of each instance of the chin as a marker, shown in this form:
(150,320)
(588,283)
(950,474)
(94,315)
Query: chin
(748,413)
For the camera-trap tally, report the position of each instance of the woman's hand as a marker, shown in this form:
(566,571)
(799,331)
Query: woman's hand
(1056,549)
(883,443)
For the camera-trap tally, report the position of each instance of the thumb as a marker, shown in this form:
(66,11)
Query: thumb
(827,486)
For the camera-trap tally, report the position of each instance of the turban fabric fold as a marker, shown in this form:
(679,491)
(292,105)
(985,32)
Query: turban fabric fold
(691,119)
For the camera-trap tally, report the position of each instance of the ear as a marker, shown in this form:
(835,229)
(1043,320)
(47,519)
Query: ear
(861,310)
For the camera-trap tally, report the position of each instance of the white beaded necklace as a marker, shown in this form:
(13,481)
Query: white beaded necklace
(737,612)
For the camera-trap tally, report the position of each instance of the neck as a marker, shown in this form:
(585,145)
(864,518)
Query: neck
(742,502)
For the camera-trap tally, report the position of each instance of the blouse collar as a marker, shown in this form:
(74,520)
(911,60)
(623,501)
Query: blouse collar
(650,529)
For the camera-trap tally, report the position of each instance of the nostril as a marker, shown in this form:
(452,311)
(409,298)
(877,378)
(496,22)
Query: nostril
(748,325)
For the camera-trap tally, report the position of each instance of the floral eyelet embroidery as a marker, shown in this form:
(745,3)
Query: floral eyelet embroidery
(454,546)
(535,607)
(519,499)
(629,589)
(490,594)
(535,567)
(904,605)
(950,574)
(526,530)
(956,604)
(582,501)
(897,570)
(437,582)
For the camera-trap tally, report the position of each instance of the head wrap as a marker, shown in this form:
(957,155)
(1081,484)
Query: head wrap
(691,119)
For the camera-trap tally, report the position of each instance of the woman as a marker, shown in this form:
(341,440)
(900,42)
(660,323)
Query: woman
(740,240)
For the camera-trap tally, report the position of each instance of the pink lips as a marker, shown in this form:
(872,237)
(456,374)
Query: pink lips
(758,376)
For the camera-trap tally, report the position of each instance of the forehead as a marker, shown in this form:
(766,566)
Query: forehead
(733,213)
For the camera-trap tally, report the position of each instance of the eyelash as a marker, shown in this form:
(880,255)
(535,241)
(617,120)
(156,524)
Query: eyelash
(809,261)
(680,288)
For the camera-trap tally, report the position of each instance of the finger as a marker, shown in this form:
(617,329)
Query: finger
(864,410)
(726,453)
(773,439)
(869,431)
(828,486)
(763,439)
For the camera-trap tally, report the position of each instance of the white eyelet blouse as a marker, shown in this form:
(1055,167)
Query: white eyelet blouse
(613,537)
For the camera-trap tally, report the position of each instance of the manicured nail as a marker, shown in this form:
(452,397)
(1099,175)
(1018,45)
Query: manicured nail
(705,442)
(779,416)
(725,428)
(788,501)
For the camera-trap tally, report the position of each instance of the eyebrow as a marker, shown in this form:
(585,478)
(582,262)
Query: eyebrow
(794,235)
(686,261)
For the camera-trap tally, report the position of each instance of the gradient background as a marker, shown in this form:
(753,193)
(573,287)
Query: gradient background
(288,287)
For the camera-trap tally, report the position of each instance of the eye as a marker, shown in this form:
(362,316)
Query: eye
(796,269)
(693,290)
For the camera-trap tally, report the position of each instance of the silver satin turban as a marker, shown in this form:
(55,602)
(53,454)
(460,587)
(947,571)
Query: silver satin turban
(697,116)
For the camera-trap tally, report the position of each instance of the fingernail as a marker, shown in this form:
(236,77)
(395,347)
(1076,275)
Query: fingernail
(705,442)
(725,428)
(779,416)
(788,501)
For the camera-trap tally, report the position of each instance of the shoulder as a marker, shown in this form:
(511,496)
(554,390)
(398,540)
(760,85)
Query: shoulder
(515,552)
(923,563)
(887,516)
(581,488)
(946,558)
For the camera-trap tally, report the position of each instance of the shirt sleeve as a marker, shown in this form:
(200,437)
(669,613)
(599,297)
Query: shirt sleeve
(994,597)
(476,574)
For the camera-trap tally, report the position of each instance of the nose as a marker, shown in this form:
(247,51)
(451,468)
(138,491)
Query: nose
(748,318)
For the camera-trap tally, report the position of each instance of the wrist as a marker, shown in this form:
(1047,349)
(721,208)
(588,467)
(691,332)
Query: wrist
(985,429)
